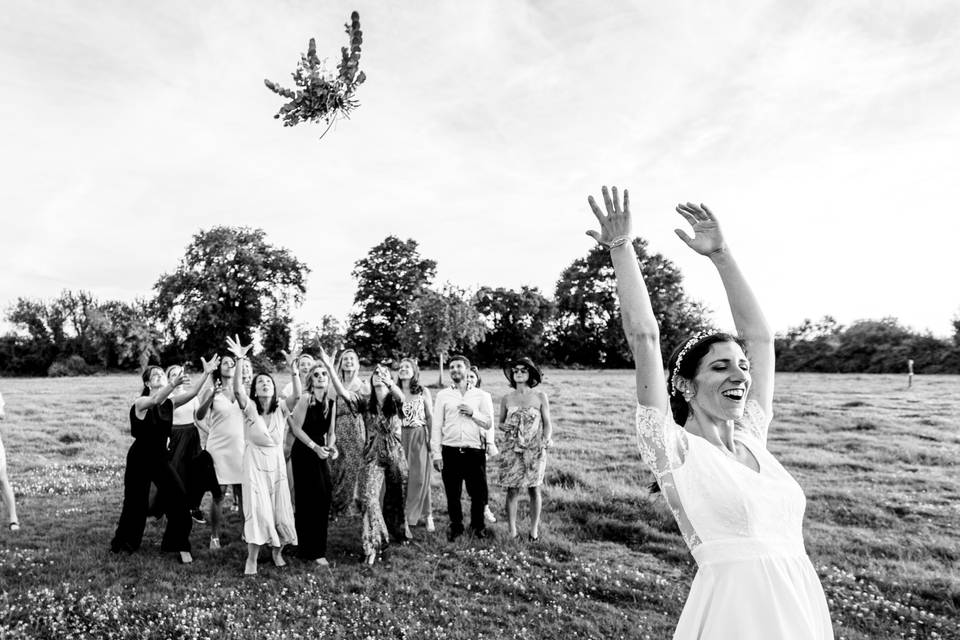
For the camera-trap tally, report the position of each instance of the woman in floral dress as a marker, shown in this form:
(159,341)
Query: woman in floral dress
(382,456)
(350,434)
(526,435)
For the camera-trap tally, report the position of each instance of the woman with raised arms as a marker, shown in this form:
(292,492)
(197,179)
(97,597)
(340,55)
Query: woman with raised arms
(151,421)
(220,418)
(703,433)
(267,510)
(384,465)
(345,470)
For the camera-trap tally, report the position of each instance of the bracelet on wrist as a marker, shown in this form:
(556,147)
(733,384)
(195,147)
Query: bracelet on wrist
(619,241)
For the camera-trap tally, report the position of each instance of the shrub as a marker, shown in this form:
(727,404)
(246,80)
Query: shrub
(73,366)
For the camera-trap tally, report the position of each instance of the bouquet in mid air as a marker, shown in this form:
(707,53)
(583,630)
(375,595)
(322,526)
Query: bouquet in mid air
(321,95)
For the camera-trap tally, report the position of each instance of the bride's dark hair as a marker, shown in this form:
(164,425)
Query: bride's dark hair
(689,354)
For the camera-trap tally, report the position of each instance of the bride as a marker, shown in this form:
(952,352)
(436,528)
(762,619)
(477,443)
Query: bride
(702,430)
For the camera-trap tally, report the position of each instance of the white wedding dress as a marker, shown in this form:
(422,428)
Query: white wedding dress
(754,580)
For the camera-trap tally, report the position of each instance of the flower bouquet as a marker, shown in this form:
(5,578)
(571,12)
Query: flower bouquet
(321,95)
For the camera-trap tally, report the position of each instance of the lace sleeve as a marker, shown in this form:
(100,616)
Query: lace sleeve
(754,422)
(662,443)
(663,447)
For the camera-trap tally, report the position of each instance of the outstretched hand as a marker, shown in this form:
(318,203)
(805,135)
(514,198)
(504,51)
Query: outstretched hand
(209,366)
(177,379)
(616,223)
(237,349)
(291,360)
(707,237)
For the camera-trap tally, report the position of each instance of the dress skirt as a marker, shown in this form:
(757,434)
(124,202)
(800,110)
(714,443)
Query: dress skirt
(749,589)
(417,451)
(267,509)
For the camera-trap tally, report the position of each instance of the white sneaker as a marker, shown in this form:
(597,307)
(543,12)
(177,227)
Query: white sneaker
(488,515)
(430,527)
(214,543)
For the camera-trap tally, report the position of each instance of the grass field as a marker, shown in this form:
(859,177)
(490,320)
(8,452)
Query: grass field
(878,462)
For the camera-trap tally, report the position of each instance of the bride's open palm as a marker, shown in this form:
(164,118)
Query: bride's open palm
(707,236)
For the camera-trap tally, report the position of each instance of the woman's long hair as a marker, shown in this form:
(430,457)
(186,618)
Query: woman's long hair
(146,378)
(692,357)
(415,387)
(217,376)
(476,372)
(311,383)
(274,403)
(339,364)
(391,406)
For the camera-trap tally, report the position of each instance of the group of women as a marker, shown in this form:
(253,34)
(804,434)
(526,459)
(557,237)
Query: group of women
(329,444)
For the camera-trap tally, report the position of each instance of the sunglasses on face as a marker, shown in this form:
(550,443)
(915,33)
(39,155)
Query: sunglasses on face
(317,374)
(520,370)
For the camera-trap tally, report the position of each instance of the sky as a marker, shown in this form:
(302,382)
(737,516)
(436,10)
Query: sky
(824,136)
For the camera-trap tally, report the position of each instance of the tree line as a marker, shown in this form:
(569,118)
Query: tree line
(231,280)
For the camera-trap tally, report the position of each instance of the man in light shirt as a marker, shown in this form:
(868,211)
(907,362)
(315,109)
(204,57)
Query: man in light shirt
(460,415)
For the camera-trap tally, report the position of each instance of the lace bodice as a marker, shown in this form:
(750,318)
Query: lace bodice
(713,496)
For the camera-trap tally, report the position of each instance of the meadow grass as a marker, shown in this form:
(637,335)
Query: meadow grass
(878,462)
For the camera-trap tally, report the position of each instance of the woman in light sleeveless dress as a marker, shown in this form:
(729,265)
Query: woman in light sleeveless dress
(526,430)
(702,431)
(417,416)
(220,417)
(267,508)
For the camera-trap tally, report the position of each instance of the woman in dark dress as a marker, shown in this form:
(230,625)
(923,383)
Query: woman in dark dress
(312,423)
(151,419)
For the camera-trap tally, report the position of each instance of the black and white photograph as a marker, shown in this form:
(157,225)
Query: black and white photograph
(504,319)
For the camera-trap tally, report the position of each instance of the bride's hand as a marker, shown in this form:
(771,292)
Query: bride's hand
(707,237)
(616,223)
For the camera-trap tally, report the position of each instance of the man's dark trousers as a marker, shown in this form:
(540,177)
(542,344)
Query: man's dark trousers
(464,465)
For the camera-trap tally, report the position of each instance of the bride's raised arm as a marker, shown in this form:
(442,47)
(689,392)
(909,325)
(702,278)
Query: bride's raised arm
(639,323)
(747,316)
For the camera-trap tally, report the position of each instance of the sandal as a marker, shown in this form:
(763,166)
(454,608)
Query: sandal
(14,526)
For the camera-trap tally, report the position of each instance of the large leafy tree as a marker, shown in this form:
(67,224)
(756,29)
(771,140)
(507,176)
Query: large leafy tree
(588,330)
(230,281)
(516,323)
(389,279)
(440,323)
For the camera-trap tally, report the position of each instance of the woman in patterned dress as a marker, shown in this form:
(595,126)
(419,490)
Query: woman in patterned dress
(527,429)
(415,436)
(351,435)
(382,456)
